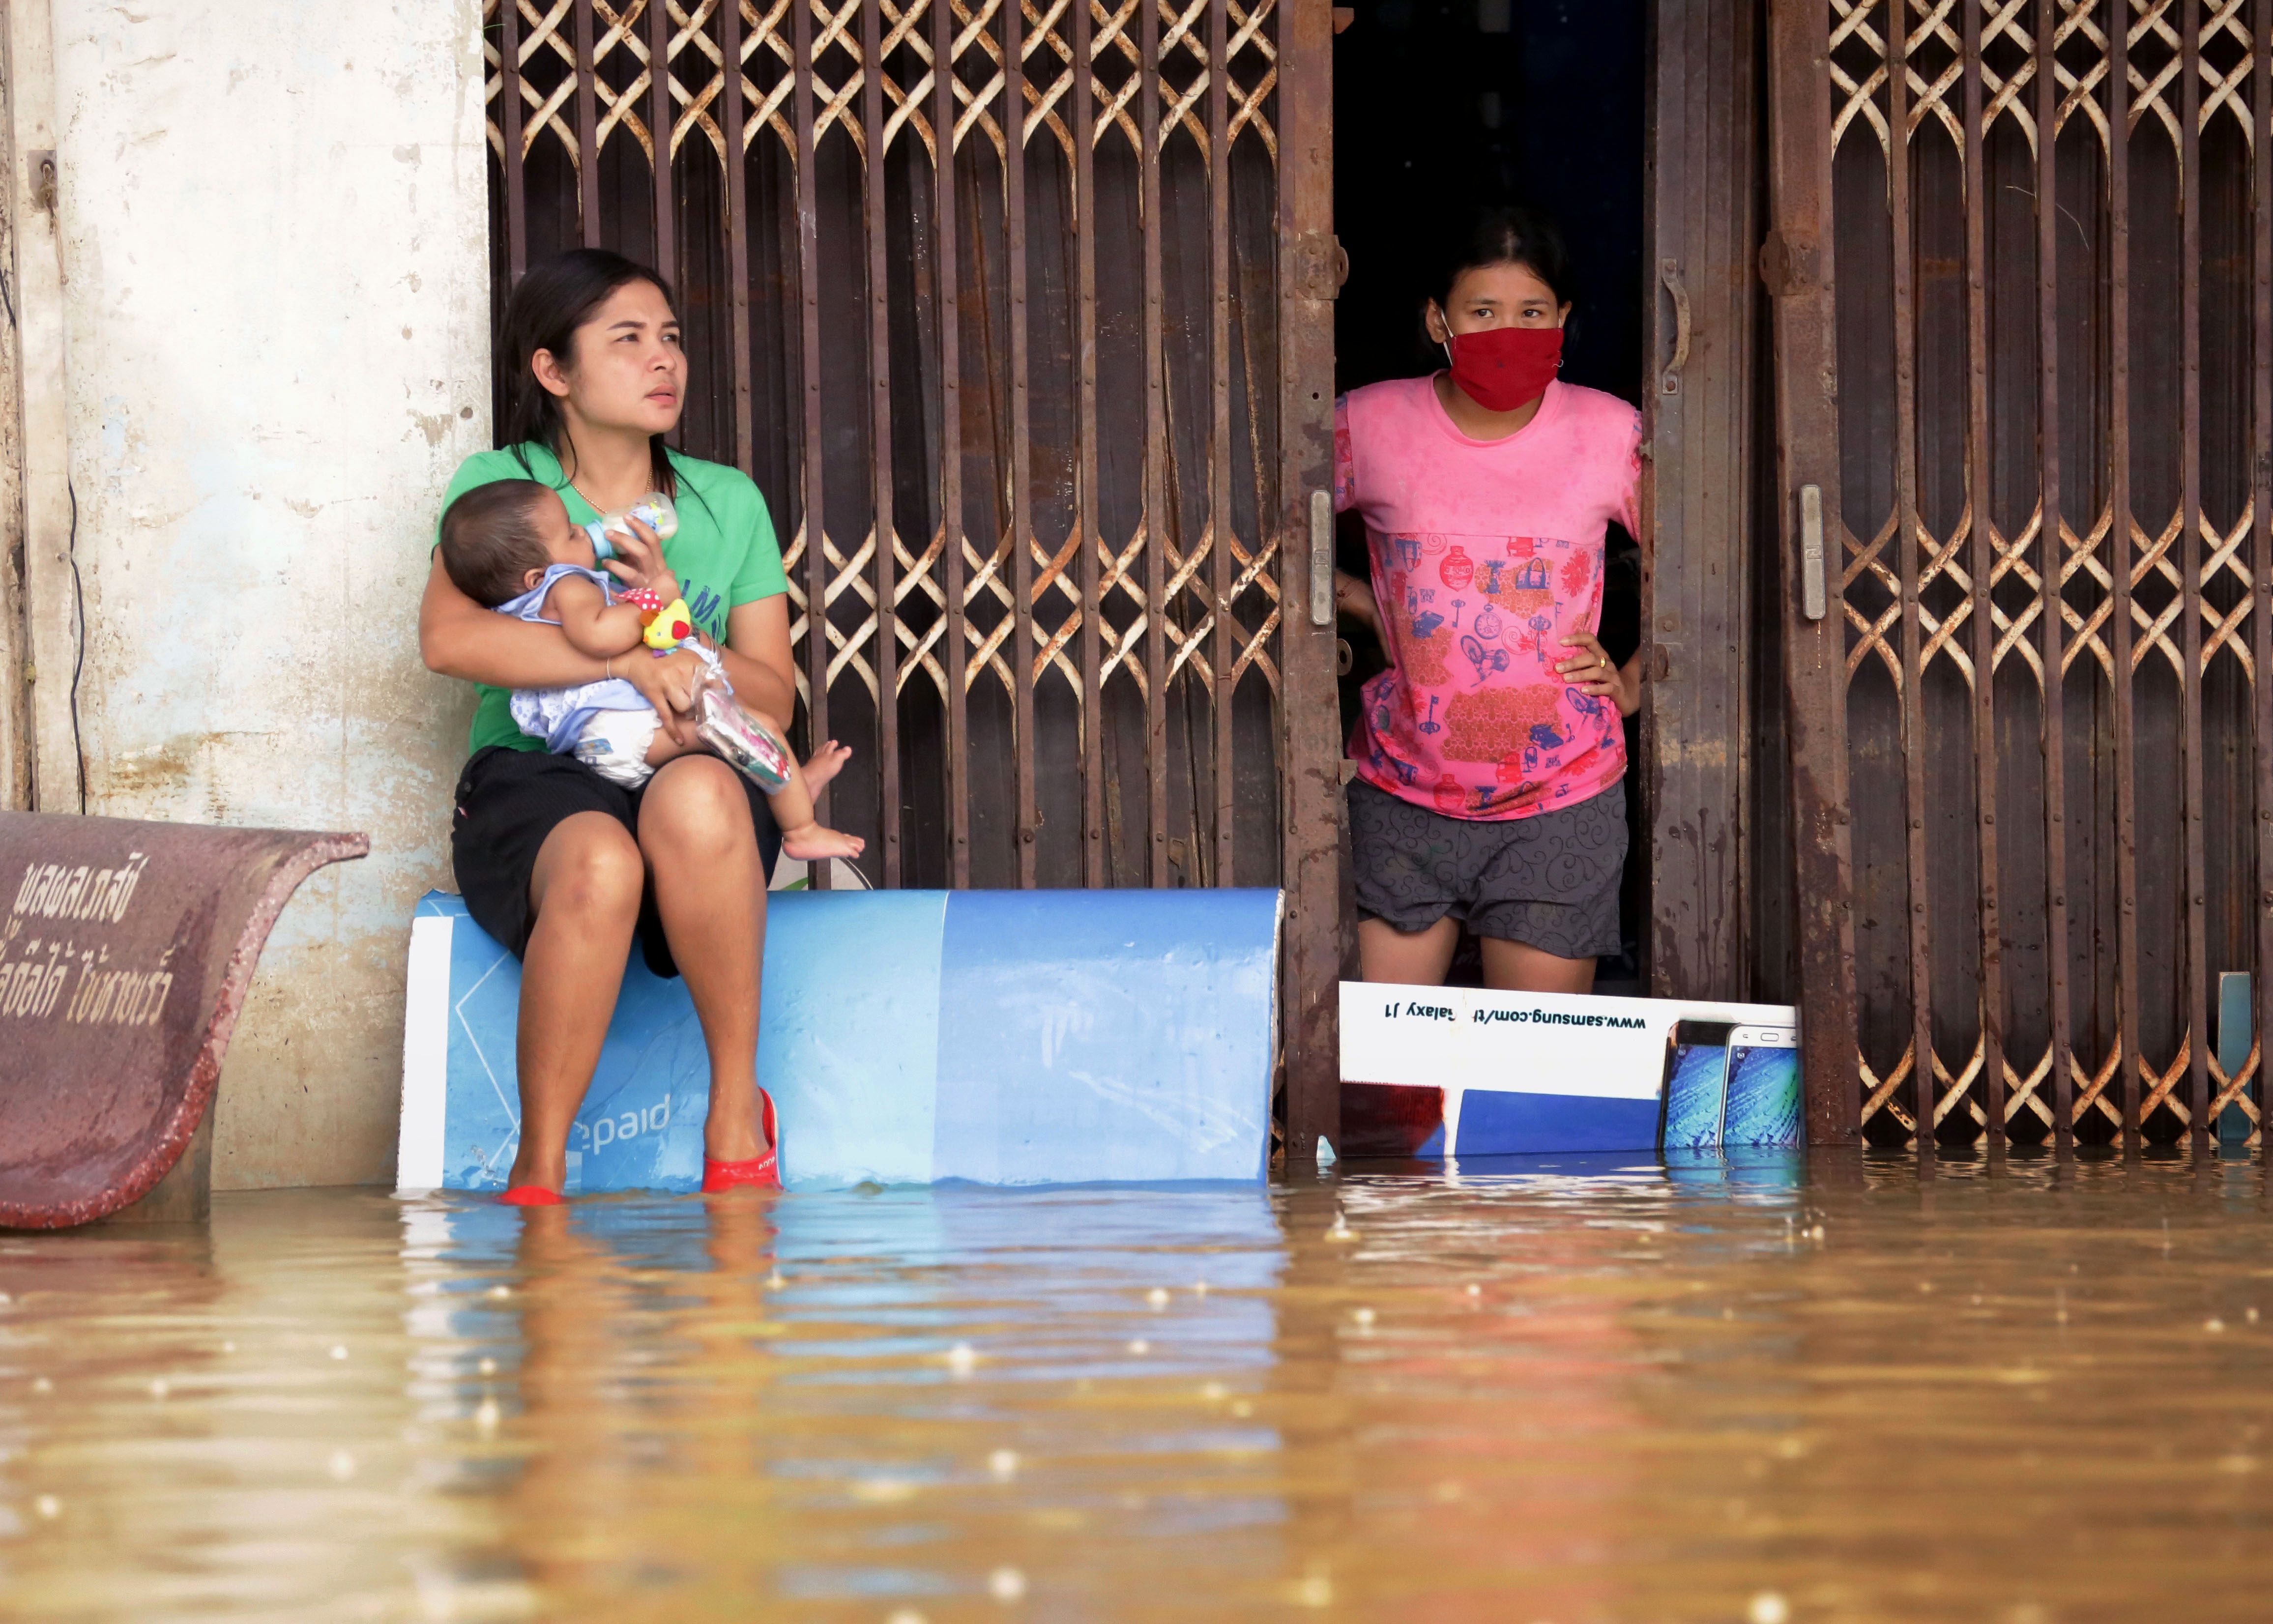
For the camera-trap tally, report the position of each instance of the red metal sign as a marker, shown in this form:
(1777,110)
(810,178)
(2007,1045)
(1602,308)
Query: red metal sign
(124,957)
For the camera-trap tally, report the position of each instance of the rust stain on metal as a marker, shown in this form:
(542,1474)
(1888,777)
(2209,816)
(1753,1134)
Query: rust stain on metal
(1312,847)
(126,956)
(2052,554)
(1981,563)
(1699,573)
(2121,532)
(2260,508)
(1807,436)
(2195,1106)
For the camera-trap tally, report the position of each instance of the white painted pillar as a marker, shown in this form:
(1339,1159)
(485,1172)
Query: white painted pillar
(274,243)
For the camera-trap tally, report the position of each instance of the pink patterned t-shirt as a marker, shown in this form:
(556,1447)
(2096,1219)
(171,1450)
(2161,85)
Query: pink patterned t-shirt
(1485,552)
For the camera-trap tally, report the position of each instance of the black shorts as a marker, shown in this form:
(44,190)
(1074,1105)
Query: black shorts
(510,800)
(1549,880)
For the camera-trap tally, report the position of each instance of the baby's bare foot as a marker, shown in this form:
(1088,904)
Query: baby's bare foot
(814,841)
(827,762)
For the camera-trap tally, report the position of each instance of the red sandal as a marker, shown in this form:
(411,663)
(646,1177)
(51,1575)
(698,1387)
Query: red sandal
(531,1195)
(761,1171)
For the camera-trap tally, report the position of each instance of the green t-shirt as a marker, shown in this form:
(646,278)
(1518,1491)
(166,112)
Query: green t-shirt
(724,554)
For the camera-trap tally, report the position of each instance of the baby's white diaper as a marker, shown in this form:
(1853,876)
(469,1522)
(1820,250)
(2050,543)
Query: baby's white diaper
(614,743)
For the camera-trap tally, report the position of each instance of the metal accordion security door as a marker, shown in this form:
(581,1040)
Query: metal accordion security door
(1016,313)
(2021,255)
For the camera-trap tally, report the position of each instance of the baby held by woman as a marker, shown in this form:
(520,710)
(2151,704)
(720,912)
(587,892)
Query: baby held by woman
(511,546)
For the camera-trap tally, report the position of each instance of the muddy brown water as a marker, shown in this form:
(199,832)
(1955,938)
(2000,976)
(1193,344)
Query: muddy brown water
(1566,1392)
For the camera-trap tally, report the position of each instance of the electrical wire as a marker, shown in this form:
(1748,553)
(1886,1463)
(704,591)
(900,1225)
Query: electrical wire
(78,594)
(78,655)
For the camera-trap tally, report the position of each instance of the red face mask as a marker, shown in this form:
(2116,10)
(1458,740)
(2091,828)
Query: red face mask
(1501,369)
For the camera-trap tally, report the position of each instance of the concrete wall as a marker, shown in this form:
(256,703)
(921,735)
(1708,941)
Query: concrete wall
(275,259)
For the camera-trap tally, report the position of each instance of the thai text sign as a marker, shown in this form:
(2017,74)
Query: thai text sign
(124,956)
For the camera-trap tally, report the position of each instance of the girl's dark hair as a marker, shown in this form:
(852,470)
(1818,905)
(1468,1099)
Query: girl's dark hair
(551,302)
(1504,235)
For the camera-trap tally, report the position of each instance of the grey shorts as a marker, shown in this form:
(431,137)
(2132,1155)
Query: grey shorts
(1549,881)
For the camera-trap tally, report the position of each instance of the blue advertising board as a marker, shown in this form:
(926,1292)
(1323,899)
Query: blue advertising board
(906,1037)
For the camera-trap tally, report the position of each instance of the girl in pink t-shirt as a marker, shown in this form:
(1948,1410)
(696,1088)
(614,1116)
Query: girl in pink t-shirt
(1491,754)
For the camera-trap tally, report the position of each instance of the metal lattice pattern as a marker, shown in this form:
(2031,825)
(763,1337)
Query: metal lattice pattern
(697,73)
(2142,588)
(1040,99)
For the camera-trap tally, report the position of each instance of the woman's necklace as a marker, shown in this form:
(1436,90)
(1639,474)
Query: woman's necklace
(574,485)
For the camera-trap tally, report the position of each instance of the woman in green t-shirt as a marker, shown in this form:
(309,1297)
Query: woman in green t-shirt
(559,863)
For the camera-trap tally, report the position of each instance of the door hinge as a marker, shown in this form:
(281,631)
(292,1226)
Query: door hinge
(1321,266)
(1787,267)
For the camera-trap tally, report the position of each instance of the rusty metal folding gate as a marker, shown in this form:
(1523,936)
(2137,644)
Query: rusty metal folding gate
(2029,613)
(1032,357)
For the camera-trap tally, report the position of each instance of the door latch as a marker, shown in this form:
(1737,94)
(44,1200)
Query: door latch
(1810,552)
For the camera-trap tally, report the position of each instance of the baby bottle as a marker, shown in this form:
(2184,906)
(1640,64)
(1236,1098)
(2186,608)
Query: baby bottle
(654,509)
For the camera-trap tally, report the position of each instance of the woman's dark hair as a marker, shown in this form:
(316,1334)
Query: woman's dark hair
(551,302)
(1503,234)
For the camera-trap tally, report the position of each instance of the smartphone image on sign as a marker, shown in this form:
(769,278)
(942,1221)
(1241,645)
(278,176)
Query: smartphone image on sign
(1763,1093)
(1696,1085)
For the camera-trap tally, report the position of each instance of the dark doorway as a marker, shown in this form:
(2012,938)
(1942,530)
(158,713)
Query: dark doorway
(1442,105)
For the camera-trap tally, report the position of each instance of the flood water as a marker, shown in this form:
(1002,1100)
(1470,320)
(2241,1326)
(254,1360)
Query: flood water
(1604,1392)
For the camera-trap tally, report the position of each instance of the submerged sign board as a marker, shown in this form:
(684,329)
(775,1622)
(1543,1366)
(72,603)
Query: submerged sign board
(126,951)
(1430,1072)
